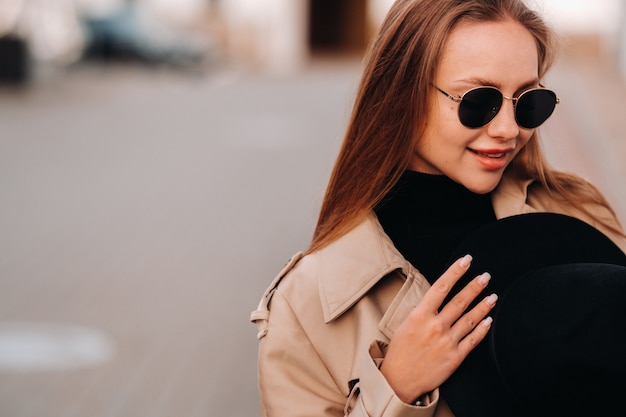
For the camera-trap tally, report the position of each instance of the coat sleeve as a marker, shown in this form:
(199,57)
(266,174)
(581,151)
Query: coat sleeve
(294,381)
(377,398)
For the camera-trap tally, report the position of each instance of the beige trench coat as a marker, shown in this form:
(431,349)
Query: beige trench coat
(324,321)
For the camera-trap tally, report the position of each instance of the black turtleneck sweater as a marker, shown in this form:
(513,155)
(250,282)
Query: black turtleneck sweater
(428,216)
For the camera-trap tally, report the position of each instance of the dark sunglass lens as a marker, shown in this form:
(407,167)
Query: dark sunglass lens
(534,107)
(479,107)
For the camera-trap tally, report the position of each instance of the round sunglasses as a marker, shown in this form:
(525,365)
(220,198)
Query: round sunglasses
(480,105)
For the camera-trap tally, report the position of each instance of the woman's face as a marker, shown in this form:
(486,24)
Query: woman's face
(501,54)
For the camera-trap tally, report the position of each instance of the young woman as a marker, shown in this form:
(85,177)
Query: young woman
(443,139)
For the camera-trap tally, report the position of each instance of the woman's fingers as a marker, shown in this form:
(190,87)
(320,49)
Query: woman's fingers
(464,298)
(440,289)
(467,323)
(472,339)
(463,323)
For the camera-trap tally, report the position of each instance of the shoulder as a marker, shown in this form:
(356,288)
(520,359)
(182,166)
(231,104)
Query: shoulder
(294,271)
(596,213)
(324,284)
(517,196)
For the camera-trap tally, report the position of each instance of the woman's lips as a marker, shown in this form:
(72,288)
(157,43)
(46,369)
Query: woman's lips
(492,159)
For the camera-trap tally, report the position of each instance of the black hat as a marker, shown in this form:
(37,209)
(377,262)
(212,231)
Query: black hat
(557,346)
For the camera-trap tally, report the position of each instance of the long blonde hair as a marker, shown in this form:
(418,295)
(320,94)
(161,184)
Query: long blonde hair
(391,107)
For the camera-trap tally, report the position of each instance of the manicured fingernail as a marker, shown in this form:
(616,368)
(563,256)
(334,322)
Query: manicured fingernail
(465,261)
(491,300)
(487,322)
(484,278)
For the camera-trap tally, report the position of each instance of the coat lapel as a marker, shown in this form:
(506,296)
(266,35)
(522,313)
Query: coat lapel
(349,267)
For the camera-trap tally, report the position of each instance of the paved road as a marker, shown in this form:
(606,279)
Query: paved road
(153,208)
(143,213)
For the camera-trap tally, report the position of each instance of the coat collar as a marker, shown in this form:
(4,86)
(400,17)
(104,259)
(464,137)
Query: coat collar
(350,266)
(511,196)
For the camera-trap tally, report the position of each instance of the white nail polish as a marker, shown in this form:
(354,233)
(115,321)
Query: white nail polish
(484,278)
(487,322)
(465,261)
(491,300)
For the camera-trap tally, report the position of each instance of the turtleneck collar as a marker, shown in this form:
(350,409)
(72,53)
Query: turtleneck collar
(427,216)
(435,196)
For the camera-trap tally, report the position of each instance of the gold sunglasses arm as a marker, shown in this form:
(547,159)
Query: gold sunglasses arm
(450,96)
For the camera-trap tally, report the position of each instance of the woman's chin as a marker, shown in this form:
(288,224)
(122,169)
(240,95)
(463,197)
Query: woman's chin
(482,185)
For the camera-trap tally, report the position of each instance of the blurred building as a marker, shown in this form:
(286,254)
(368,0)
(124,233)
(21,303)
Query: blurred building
(277,36)
(282,35)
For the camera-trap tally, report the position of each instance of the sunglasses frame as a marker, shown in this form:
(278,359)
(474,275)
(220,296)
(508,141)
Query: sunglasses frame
(459,99)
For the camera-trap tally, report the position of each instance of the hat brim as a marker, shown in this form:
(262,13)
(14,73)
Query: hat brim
(511,249)
(559,340)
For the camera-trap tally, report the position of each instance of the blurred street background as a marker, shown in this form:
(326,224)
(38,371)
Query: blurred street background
(160,160)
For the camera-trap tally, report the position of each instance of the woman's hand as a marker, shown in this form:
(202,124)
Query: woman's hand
(431,344)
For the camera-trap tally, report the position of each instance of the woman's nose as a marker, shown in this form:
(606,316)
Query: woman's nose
(504,126)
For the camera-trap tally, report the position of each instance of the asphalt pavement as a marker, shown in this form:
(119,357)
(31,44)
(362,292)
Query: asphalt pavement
(143,212)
